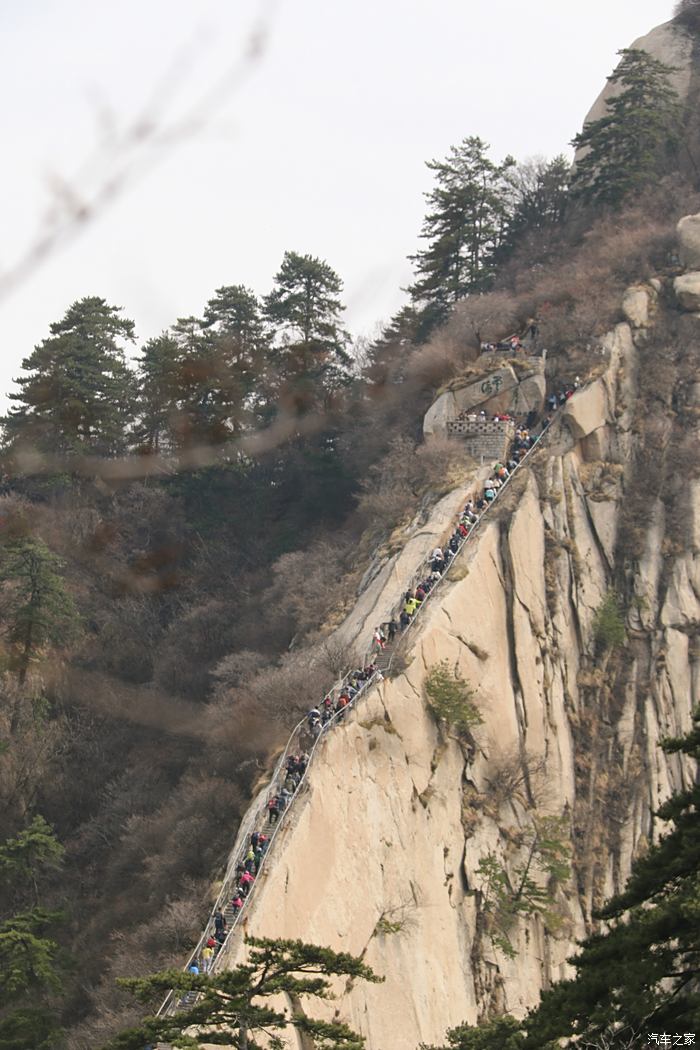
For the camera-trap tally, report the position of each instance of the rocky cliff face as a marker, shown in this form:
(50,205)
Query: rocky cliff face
(380,856)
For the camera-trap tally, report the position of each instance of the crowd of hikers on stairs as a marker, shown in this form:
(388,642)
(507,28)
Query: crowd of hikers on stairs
(265,816)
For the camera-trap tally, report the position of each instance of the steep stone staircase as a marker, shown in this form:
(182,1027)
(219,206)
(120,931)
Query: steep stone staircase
(256,815)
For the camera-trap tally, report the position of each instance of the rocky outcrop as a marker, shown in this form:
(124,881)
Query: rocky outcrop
(637,305)
(687,289)
(689,241)
(381,855)
(588,412)
(496,390)
(463,397)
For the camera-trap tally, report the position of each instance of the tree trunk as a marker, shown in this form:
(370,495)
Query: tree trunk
(307,1042)
(26,653)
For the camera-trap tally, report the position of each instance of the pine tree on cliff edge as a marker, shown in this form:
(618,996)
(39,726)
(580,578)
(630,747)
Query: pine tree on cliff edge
(464,227)
(636,139)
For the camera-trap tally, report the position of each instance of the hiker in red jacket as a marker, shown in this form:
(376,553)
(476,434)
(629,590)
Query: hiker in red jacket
(273,809)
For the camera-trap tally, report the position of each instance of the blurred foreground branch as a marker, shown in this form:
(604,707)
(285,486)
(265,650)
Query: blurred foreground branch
(122,158)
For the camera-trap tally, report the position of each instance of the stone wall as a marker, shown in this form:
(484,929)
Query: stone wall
(484,439)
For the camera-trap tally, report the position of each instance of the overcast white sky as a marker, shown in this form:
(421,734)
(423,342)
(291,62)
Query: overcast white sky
(320,148)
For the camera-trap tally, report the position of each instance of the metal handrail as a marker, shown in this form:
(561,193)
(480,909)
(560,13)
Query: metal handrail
(255,812)
(258,807)
(465,541)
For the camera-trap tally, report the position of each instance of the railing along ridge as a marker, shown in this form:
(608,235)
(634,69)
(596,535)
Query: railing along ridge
(258,808)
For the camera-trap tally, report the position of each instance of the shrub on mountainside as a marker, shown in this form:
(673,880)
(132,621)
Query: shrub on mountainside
(393,491)
(608,624)
(530,890)
(451,699)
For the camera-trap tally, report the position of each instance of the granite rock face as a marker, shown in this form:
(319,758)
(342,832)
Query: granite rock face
(398,813)
(689,241)
(637,305)
(687,289)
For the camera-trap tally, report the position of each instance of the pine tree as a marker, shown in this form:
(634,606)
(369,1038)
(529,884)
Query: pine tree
(451,699)
(37,609)
(202,382)
(29,971)
(634,141)
(310,359)
(539,192)
(219,357)
(609,624)
(79,394)
(241,341)
(464,228)
(235,1006)
(158,406)
(197,419)
(234,313)
(387,354)
(505,900)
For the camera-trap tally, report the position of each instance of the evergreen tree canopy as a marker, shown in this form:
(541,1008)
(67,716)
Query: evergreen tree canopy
(398,334)
(193,382)
(24,859)
(464,227)
(37,610)
(206,400)
(503,1033)
(636,137)
(304,307)
(539,191)
(158,406)
(687,14)
(233,1007)
(234,311)
(204,380)
(241,343)
(79,394)
(451,698)
(28,954)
